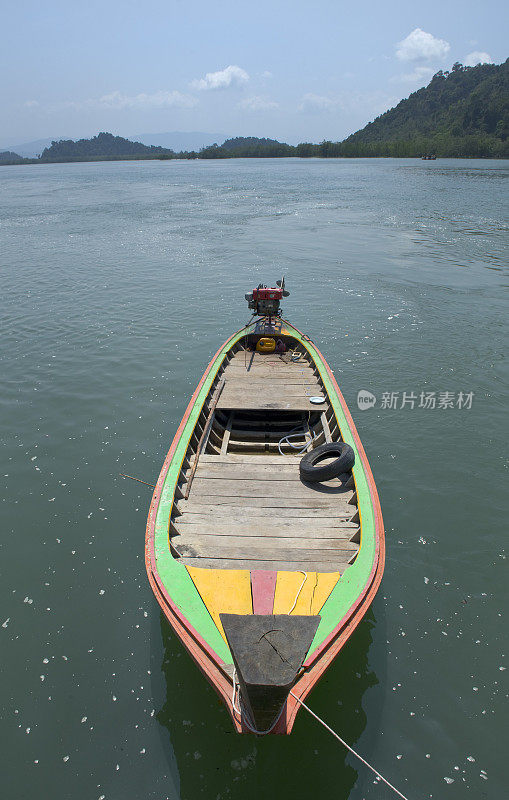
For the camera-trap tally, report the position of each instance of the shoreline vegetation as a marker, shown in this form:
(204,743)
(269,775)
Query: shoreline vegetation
(463,113)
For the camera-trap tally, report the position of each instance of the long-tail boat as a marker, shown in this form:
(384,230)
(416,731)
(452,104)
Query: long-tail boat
(264,540)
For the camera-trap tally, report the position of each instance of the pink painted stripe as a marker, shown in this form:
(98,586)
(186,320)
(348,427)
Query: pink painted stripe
(263,588)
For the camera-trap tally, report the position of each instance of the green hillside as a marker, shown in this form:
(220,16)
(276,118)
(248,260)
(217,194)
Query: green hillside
(104,145)
(461,112)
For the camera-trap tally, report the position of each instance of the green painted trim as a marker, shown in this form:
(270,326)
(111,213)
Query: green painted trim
(172,573)
(353,582)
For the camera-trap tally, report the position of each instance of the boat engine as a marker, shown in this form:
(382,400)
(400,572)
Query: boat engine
(265,300)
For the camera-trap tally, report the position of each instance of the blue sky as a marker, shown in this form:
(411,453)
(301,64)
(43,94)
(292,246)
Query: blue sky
(288,70)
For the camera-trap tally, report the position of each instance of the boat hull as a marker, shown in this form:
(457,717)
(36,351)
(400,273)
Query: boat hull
(173,588)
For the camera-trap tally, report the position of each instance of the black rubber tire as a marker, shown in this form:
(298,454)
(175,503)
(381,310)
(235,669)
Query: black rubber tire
(310,471)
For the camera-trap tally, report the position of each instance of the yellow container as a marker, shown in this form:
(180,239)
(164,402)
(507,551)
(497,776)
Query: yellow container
(266,344)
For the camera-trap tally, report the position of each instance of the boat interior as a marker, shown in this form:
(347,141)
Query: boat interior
(239,501)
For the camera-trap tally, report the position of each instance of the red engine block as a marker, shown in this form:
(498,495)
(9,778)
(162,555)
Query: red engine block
(268,294)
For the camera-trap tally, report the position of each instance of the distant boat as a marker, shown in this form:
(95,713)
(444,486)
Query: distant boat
(264,540)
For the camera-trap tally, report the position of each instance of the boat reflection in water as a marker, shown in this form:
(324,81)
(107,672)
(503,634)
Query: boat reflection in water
(214,762)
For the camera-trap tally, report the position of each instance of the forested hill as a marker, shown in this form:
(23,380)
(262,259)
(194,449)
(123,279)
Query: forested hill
(104,145)
(461,112)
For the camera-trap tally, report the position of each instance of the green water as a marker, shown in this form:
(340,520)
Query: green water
(120,280)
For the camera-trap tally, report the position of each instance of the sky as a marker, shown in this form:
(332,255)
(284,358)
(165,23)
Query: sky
(292,71)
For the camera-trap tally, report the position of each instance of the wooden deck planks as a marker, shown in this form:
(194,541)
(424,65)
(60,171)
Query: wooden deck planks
(340,565)
(235,511)
(291,528)
(263,488)
(254,512)
(321,501)
(255,546)
(219,522)
(269,472)
(236,380)
(254,402)
(202,549)
(245,458)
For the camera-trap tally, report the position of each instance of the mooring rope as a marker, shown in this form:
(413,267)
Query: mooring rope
(242,713)
(152,485)
(338,737)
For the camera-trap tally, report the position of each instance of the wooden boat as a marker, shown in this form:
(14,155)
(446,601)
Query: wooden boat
(263,575)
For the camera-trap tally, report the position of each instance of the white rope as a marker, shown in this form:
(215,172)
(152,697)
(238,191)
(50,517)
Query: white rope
(299,447)
(348,747)
(242,714)
(300,589)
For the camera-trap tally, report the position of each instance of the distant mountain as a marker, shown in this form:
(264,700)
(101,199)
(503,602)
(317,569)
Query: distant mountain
(247,142)
(249,147)
(180,140)
(8,157)
(104,145)
(32,149)
(464,112)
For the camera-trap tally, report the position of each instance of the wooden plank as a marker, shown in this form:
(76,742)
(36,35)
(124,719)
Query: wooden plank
(259,563)
(340,510)
(226,435)
(290,528)
(264,358)
(319,502)
(219,487)
(280,392)
(202,549)
(203,437)
(272,376)
(282,387)
(254,356)
(276,380)
(249,545)
(283,366)
(252,460)
(286,472)
(230,523)
(223,592)
(269,369)
(325,425)
(243,402)
(294,595)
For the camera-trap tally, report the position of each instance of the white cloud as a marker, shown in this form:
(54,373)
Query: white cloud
(312,103)
(421,46)
(230,76)
(161,99)
(477,57)
(266,74)
(258,103)
(418,75)
(31,103)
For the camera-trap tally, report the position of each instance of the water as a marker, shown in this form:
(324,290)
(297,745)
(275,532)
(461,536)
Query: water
(119,282)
